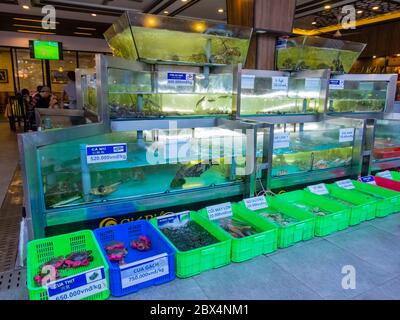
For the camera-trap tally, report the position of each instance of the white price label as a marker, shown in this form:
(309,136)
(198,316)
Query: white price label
(346,135)
(336,84)
(345,184)
(219,211)
(385,174)
(256,203)
(144,270)
(319,189)
(248,81)
(312,84)
(281,140)
(280,83)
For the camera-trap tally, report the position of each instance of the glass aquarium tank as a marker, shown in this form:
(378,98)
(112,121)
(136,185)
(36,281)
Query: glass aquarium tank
(387,140)
(89,92)
(159,94)
(276,93)
(183,41)
(313,53)
(357,95)
(312,151)
(151,163)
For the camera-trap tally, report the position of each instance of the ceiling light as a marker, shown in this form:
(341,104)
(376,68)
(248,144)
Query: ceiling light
(184,0)
(31,20)
(83,33)
(39,32)
(314,23)
(25,7)
(166,12)
(221,10)
(373,57)
(94,15)
(398,54)
(327,7)
(375,8)
(359,11)
(84,28)
(27,26)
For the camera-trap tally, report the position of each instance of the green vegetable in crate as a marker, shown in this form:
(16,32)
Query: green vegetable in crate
(189,236)
(236,228)
(280,218)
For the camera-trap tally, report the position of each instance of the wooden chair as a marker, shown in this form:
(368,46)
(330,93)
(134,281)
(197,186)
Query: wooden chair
(17,113)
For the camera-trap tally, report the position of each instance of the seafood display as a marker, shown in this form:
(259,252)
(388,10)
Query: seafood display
(346,203)
(137,176)
(313,209)
(189,236)
(314,53)
(58,264)
(277,217)
(143,243)
(236,228)
(116,252)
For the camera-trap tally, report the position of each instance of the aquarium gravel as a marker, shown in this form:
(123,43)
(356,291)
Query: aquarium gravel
(189,237)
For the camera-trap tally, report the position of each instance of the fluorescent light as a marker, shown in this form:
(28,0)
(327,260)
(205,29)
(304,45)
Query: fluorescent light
(221,10)
(94,15)
(314,23)
(375,8)
(166,12)
(27,26)
(184,0)
(84,28)
(83,33)
(359,11)
(30,20)
(25,7)
(30,31)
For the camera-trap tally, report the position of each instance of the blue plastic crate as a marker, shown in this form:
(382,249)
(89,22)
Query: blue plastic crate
(123,279)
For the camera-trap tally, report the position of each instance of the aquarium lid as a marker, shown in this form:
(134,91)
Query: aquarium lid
(159,39)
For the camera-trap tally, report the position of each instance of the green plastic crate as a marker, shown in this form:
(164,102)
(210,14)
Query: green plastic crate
(193,262)
(362,207)
(337,220)
(43,250)
(304,229)
(388,201)
(265,241)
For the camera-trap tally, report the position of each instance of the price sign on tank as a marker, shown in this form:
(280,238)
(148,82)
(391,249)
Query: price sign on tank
(281,140)
(335,84)
(106,153)
(346,135)
(256,203)
(319,189)
(181,79)
(385,174)
(345,184)
(219,211)
(280,83)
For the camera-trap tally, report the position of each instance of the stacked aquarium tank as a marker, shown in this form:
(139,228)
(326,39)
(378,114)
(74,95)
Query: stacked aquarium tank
(268,93)
(362,93)
(184,68)
(309,152)
(314,53)
(386,144)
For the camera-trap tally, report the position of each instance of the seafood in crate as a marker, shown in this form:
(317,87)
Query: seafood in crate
(189,236)
(236,228)
(277,217)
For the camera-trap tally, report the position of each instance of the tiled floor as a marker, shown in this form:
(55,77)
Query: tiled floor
(307,270)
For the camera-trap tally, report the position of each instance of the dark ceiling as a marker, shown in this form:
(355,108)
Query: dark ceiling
(78,20)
